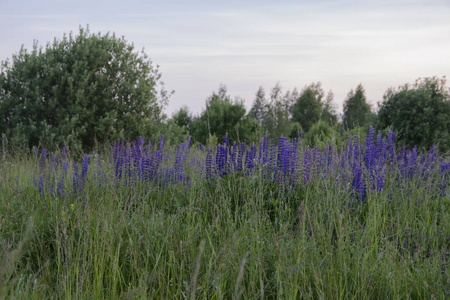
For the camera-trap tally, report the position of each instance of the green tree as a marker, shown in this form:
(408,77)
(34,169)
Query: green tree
(277,119)
(329,114)
(78,90)
(308,107)
(183,117)
(223,115)
(419,112)
(357,111)
(259,107)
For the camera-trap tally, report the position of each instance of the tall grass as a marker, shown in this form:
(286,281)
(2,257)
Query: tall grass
(364,221)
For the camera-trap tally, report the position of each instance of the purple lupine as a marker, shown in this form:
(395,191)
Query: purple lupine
(240,157)
(344,159)
(128,164)
(41,185)
(280,157)
(412,163)
(261,152)
(378,177)
(43,161)
(286,159)
(187,146)
(226,140)
(355,151)
(161,144)
(225,158)
(402,155)
(369,155)
(316,161)
(445,167)
(84,166)
(384,153)
(248,158)
(266,149)
(145,163)
(218,158)
(358,184)
(391,138)
(208,163)
(442,190)
(59,189)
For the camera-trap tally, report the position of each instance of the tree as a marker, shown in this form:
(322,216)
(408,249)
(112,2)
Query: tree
(78,90)
(357,111)
(259,107)
(183,118)
(223,115)
(329,114)
(308,107)
(419,112)
(277,119)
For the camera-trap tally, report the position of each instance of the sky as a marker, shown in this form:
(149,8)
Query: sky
(243,45)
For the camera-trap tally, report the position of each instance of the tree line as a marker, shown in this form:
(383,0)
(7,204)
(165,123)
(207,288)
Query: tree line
(89,89)
(420,113)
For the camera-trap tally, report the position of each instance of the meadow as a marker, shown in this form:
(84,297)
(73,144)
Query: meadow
(137,220)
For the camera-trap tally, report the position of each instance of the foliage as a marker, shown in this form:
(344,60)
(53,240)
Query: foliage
(259,107)
(277,119)
(172,132)
(223,115)
(308,107)
(80,90)
(319,134)
(357,112)
(183,117)
(329,114)
(419,112)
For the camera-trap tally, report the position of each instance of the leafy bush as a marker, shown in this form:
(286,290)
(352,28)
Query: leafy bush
(420,113)
(80,90)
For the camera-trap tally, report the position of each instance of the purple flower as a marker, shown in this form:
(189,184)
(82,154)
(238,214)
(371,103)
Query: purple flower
(84,166)
(226,139)
(358,184)
(240,157)
(41,184)
(369,156)
(208,163)
(443,187)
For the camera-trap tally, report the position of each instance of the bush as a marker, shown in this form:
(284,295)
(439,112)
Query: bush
(420,113)
(79,90)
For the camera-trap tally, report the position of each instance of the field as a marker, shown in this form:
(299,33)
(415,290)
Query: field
(365,220)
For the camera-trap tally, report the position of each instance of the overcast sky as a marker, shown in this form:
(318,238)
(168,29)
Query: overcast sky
(246,44)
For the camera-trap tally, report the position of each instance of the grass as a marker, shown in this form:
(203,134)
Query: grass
(242,235)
